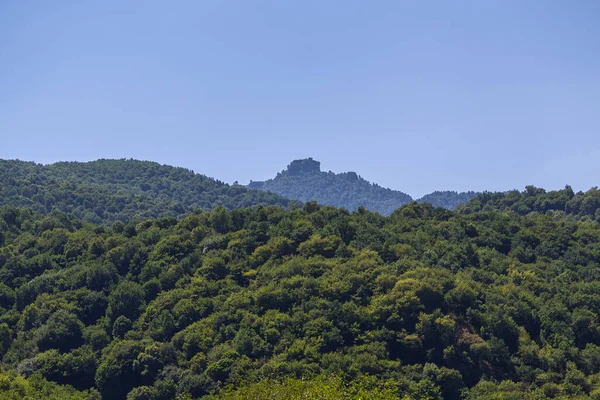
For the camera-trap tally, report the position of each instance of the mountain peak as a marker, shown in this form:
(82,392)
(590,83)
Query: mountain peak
(304,166)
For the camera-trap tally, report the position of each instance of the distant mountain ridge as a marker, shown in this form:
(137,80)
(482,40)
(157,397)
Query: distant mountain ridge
(105,191)
(448,199)
(303,180)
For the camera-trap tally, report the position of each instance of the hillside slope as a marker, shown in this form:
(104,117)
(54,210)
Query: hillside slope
(425,303)
(110,190)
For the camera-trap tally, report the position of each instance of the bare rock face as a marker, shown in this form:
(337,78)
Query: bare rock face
(305,166)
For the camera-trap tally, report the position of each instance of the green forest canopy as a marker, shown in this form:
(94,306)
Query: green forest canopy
(490,301)
(558,203)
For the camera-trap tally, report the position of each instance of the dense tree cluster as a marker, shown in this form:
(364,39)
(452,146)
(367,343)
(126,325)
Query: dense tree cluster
(303,180)
(14,387)
(425,303)
(111,190)
(583,206)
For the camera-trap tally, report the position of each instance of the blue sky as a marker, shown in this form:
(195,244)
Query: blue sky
(414,95)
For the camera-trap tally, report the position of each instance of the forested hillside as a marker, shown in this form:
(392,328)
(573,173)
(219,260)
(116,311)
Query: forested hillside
(106,191)
(303,180)
(314,301)
(111,190)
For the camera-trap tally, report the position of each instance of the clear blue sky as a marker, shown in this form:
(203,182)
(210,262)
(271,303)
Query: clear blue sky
(414,95)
